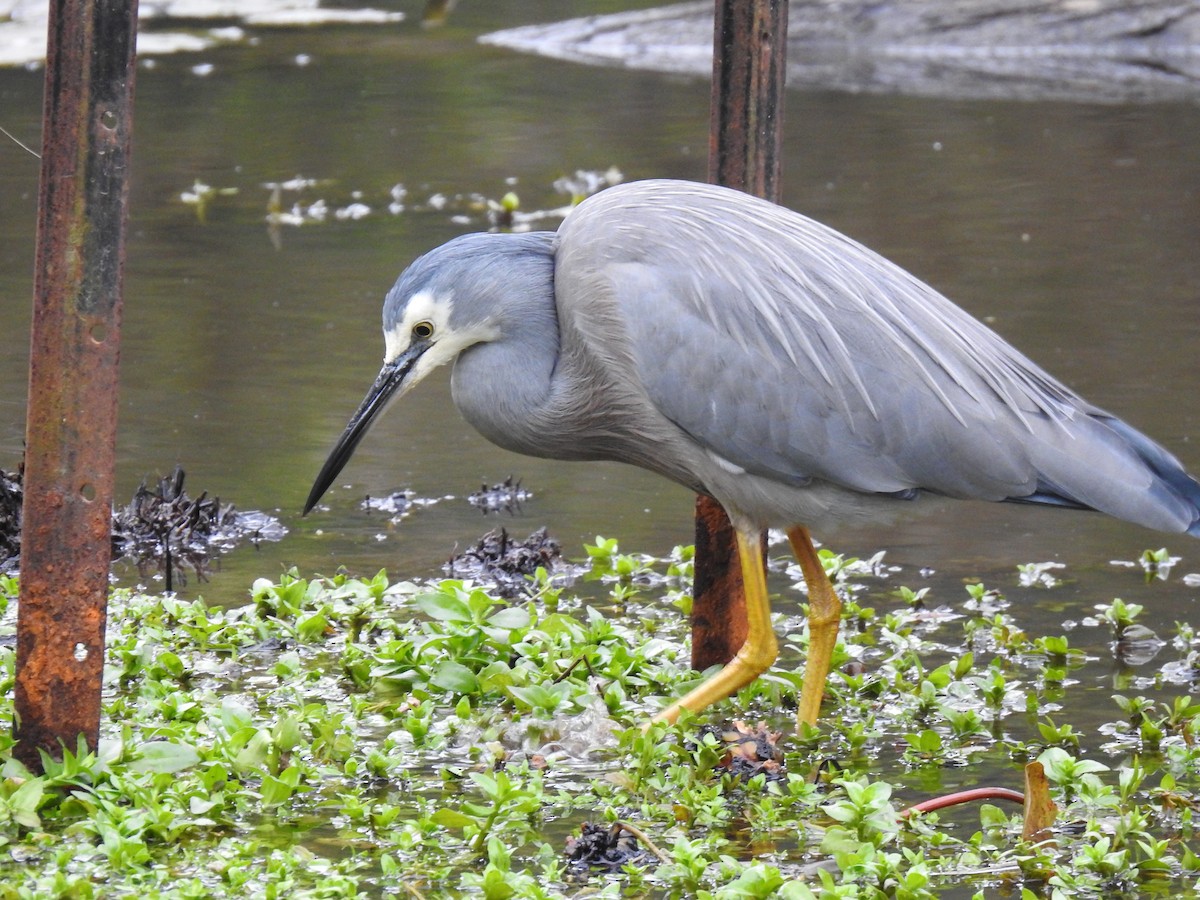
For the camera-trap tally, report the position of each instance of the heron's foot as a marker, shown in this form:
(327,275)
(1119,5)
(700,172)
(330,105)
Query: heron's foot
(758,651)
(752,660)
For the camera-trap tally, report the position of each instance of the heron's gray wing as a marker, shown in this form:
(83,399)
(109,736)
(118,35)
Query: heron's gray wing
(789,350)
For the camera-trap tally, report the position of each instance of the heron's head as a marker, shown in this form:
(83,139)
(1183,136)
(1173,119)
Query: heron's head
(437,308)
(445,302)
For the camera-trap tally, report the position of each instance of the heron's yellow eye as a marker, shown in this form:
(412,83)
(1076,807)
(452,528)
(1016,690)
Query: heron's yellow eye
(423,330)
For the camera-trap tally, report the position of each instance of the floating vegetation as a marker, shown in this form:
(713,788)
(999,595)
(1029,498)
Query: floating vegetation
(586,182)
(201,196)
(398,505)
(290,204)
(1040,574)
(502,213)
(1155,563)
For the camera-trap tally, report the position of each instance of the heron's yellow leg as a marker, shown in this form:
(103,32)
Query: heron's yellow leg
(824,616)
(760,647)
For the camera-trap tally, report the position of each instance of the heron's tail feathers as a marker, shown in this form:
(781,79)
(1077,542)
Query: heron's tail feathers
(1114,468)
(1172,479)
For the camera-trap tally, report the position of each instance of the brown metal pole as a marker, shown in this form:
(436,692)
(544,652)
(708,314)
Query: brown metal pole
(745,152)
(71,427)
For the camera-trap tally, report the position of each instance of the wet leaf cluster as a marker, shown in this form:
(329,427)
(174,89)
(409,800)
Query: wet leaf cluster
(343,737)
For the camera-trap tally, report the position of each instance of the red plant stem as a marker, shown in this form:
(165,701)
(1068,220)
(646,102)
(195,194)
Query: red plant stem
(984,793)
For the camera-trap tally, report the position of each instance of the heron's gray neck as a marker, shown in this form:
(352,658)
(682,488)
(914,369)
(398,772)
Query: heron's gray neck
(501,386)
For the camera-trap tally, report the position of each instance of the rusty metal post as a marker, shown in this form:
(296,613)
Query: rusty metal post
(70,432)
(745,152)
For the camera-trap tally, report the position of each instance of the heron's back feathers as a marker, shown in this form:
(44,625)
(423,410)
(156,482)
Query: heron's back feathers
(784,349)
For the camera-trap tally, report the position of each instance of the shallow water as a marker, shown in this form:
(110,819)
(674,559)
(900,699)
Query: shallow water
(1072,228)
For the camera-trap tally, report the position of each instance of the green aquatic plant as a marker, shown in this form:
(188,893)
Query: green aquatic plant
(342,737)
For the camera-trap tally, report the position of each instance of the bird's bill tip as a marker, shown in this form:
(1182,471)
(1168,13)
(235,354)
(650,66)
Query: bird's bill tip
(333,466)
(384,389)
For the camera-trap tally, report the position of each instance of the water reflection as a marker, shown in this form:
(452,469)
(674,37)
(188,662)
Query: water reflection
(1072,229)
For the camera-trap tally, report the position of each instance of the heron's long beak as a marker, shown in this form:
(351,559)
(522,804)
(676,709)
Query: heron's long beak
(389,384)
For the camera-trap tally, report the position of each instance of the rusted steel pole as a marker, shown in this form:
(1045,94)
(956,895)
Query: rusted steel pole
(745,152)
(749,66)
(70,433)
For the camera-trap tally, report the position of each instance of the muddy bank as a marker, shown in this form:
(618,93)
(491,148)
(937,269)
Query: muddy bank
(1102,51)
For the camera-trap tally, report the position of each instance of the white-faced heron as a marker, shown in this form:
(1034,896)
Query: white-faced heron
(754,355)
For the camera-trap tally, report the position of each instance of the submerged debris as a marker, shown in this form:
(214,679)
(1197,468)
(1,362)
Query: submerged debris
(161,529)
(10,520)
(610,848)
(505,564)
(507,496)
(166,530)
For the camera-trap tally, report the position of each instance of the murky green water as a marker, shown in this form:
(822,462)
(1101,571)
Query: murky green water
(1073,228)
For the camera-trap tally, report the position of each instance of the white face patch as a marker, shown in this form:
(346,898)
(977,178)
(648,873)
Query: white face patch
(422,307)
(446,342)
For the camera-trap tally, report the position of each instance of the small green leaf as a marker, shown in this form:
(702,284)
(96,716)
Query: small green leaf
(165,756)
(24,802)
(254,754)
(444,607)
(235,716)
(992,816)
(276,791)
(452,676)
(199,806)
(511,618)
(171,663)
(287,734)
(452,818)
(314,627)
